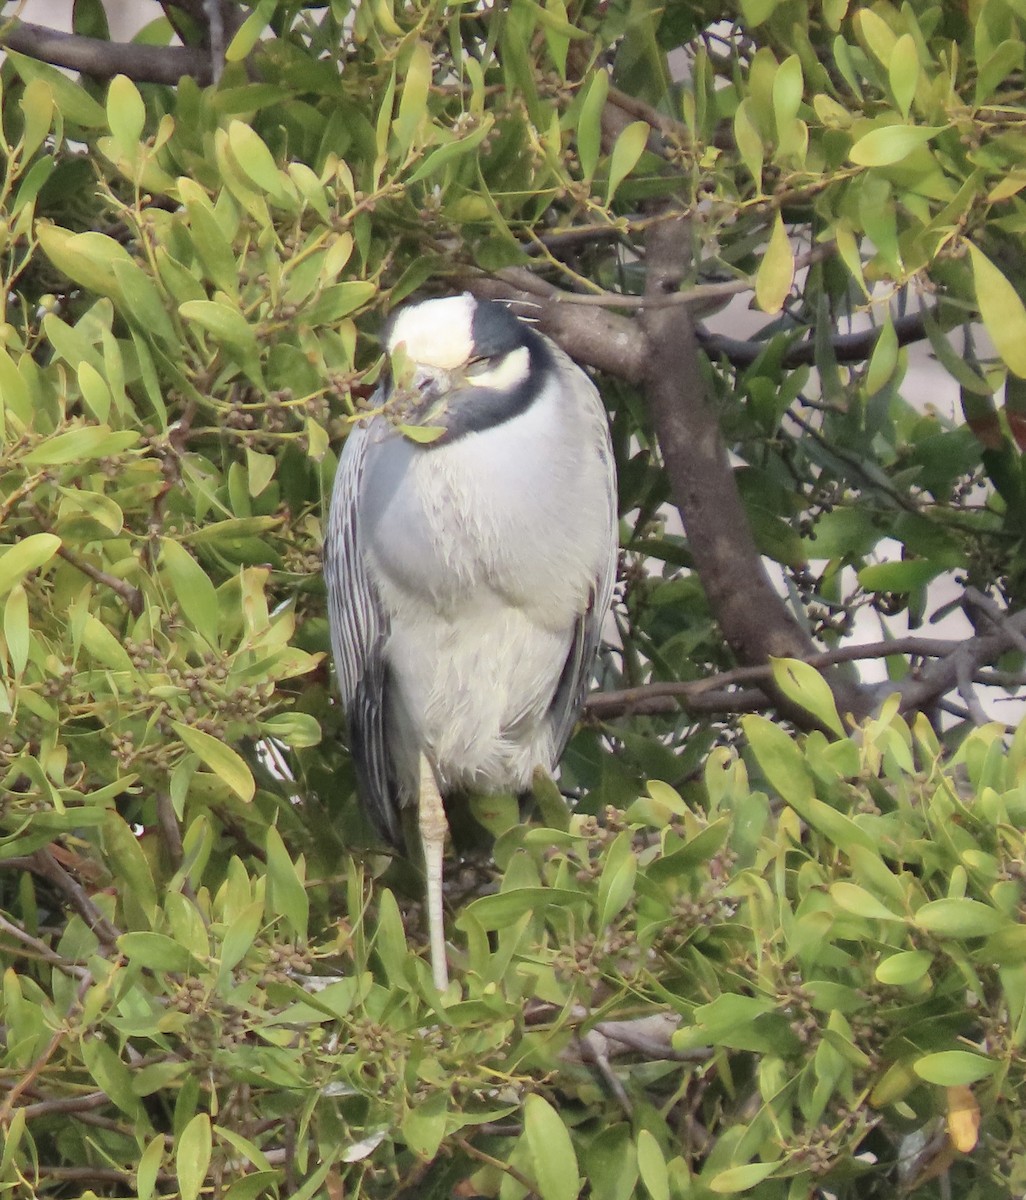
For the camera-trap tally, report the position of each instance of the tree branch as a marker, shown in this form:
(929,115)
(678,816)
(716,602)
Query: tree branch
(847,347)
(600,339)
(753,618)
(102,59)
(44,864)
(714,694)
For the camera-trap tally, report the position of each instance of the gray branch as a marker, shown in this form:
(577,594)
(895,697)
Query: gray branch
(101,59)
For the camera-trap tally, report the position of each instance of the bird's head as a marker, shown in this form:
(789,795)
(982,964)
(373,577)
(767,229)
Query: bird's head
(459,364)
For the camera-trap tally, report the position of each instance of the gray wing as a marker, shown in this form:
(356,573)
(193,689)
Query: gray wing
(575,679)
(359,631)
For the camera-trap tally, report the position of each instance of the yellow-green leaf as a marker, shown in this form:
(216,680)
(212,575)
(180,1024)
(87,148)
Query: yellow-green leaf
(891,144)
(952,1068)
(221,759)
(16,629)
(126,112)
(551,1150)
(629,147)
(776,271)
(27,555)
(192,588)
(192,1158)
(903,72)
(1002,311)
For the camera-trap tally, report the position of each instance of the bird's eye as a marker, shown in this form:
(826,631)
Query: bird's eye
(479,365)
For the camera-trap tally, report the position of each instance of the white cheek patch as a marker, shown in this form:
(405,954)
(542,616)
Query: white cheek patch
(437,333)
(508,373)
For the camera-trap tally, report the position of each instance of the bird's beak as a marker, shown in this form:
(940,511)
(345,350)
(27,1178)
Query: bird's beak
(422,397)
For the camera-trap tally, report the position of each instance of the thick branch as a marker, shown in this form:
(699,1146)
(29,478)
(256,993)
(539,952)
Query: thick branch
(751,615)
(101,59)
(847,347)
(592,337)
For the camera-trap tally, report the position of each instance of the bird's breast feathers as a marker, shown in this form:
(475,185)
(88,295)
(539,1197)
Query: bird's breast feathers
(519,510)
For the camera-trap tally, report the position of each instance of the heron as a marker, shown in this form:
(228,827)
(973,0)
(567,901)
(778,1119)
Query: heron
(470,555)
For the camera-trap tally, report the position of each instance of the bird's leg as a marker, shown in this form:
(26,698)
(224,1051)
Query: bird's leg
(433,828)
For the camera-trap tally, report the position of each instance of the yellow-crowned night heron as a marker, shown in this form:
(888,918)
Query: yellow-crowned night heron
(468,575)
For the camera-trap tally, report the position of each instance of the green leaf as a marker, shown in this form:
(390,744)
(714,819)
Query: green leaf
(286,896)
(899,577)
(150,1162)
(954,1068)
(17,633)
(192,1157)
(616,885)
(959,917)
(551,1150)
(857,900)
(129,866)
(141,303)
(776,271)
(451,152)
(652,1166)
(111,1074)
(25,556)
(38,107)
(779,757)
(221,759)
(79,445)
(627,150)
(157,952)
(295,729)
(225,323)
(423,1126)
(423,435)
(788,86)
(192,589)
(239,937)
(589,124)
(256,161)
(891,144)
(74,103)
(503,908)
(903,72)
(1002,311)
(748,138)
(126,113)
(413,99)
(740,1179)
(904,968)
(805,686)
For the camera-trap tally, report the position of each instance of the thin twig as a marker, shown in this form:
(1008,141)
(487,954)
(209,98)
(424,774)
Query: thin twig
(665,696)
(472,1151)
(132,596)
(42,949)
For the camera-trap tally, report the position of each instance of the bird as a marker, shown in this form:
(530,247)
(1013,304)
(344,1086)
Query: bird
(470,557)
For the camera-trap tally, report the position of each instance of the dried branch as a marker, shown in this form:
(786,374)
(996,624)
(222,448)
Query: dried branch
(43,863)
(102,59)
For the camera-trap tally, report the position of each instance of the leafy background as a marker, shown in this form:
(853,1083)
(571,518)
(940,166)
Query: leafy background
(782,958)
